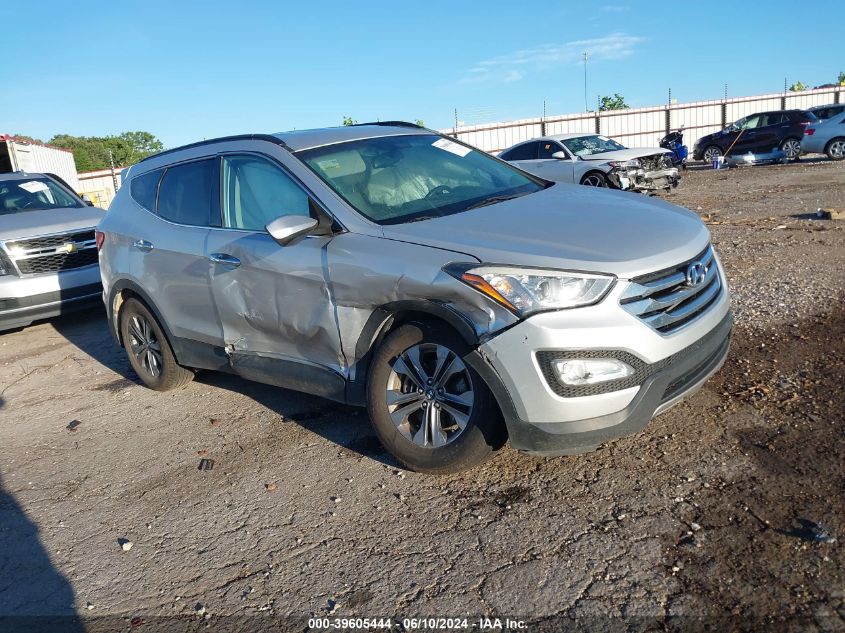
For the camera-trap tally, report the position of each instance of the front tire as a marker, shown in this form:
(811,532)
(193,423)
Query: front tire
(595,179)
(835,150)
(711,153)
(148,349)
(428,406)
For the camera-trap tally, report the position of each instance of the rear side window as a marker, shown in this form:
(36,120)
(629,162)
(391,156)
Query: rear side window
(527,151)
(185,194)
(144,189)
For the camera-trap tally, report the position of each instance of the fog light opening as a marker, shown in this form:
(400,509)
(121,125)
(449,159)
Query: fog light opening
(590,371)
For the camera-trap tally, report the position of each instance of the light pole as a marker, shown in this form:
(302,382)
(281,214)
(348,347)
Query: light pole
(586,108)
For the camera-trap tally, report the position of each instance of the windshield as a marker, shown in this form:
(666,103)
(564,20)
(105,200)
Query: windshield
(396,179)
(34,194)
(589,145)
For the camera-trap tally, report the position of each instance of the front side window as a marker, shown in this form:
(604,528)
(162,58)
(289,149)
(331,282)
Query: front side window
(547,148)
(185,193)
(593,144)
(405,178)
(34,194)
(256,192)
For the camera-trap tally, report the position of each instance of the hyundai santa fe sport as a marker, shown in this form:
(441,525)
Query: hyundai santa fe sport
(463,301)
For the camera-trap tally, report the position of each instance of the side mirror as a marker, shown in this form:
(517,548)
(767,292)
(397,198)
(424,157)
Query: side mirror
(87,200)
(287,228)
(560,155)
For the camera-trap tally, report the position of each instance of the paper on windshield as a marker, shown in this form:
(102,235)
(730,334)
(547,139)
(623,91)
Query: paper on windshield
(451,146)
(33,186)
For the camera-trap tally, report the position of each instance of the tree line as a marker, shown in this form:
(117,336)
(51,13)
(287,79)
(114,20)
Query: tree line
(92,152)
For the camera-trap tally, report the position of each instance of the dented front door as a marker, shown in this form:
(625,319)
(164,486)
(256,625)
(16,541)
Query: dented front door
(273,301)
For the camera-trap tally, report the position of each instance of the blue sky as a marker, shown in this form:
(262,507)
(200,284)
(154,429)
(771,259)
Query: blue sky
(190,70)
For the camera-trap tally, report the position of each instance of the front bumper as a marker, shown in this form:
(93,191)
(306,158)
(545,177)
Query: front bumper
(542,421)
(27,299)
(642,180)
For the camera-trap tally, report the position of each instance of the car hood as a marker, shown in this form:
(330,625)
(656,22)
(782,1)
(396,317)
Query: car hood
(569,227)
(47,221)
(626,154)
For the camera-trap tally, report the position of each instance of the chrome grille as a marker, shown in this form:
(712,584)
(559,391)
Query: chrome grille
(666,301)
(52,253)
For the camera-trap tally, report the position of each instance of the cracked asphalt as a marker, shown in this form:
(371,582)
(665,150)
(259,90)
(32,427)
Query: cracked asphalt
(727,509)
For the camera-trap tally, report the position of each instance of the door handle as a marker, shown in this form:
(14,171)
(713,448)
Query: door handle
(224,259)
(143,245)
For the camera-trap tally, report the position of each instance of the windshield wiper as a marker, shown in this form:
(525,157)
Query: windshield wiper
(492,200)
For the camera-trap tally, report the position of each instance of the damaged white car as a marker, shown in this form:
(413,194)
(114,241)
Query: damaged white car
(595,160)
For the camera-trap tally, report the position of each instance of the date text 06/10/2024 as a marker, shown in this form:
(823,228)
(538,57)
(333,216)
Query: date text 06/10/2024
(484,624)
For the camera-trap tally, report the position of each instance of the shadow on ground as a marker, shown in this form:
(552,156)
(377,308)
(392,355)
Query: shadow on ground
(90,333)
(34,595)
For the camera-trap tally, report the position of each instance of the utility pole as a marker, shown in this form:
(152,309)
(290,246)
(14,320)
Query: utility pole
(586,108)
(113,173)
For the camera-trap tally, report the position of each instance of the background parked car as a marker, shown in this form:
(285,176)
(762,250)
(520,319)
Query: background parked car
(826,137)
(761,132)
(595,160)
(48,254)
(828,111)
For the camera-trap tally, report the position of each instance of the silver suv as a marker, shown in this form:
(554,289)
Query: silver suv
(48,258)
(461,300)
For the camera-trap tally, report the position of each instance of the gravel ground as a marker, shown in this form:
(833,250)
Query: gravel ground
(726,512)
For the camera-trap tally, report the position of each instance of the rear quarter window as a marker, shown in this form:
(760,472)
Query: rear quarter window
(144,188)
(185,194)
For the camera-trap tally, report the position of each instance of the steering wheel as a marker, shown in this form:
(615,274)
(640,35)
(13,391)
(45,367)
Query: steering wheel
(439,190)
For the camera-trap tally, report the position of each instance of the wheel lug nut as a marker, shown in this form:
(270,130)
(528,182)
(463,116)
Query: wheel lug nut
(429,381)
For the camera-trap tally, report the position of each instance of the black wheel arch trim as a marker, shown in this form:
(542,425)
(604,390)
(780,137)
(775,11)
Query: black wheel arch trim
(379,323)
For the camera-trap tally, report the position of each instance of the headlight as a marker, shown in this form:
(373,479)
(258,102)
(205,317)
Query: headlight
(634,163)
(528,290)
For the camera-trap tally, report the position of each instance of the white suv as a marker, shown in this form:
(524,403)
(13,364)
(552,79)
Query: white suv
(48,258)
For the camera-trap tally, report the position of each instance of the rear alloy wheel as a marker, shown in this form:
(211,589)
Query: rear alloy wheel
(594,179)
(791,147)
(712,153)
(835,150)
(428,406)
(148,349)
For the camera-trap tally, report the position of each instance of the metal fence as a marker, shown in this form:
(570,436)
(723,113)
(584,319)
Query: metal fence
(642,127)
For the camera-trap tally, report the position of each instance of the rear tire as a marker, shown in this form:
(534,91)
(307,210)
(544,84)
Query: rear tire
(791,147)
(835,149)
(430,409)
(148,349)
(595,179)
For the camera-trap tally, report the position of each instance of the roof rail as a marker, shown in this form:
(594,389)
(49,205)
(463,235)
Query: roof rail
(393,124)
(238,137)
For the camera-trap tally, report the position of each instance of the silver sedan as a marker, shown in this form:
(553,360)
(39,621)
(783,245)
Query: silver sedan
(826,137)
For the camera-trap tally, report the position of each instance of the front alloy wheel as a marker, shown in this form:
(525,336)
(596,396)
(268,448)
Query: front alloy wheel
(428,404)
(712,153)
(594,180)
(430,395)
